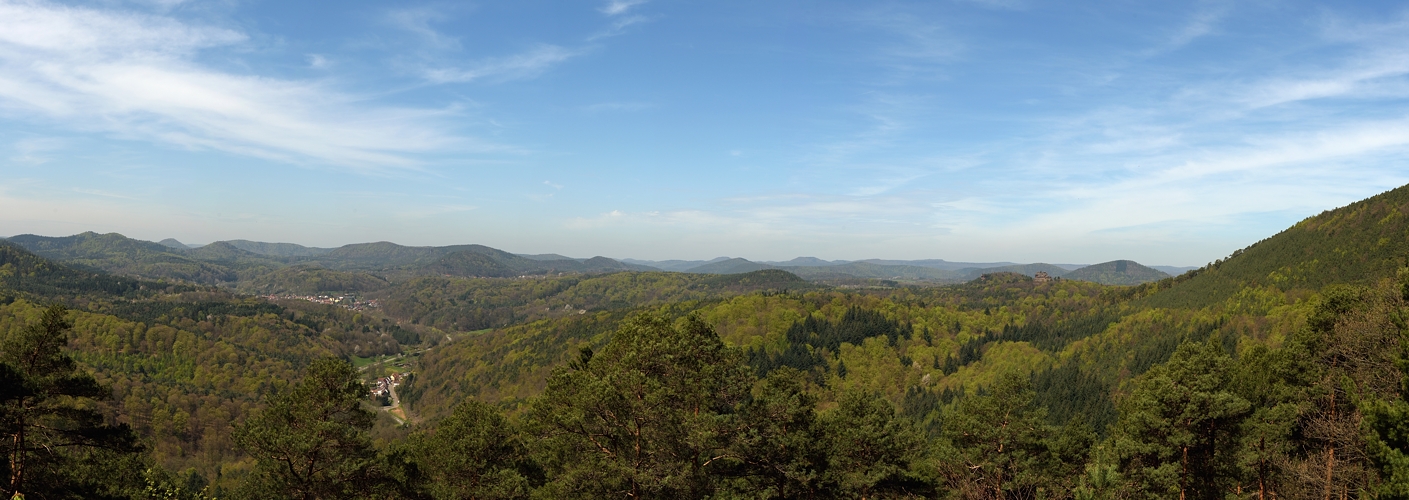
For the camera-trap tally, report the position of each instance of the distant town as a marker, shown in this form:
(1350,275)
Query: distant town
(346,301)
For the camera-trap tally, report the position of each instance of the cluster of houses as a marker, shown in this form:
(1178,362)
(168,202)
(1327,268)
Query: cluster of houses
(381,388)
(348,301)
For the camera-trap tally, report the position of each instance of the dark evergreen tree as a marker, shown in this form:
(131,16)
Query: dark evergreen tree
(311,442)
(871,451)
(56,444)
(780,449)
(1176,433)
(1003,447)
(648,417)
(473,454)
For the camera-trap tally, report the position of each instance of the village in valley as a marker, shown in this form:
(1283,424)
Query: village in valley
(351,302)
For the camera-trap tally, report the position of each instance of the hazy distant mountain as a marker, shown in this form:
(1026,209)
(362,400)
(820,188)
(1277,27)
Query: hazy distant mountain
(673,265)
(937,263)
(1023,269)
(1117,272)
(171,242)
(276,249)
(874,271)
(806,261)
(546,256)
(224,251)
(730,266)
(1175,270)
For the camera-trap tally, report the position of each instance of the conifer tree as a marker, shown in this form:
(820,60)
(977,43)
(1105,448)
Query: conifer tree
(871,451)
(648,416)
(1176,428)
(1000,443)
(779,447)
(311,443)
(473,454)
(56,444)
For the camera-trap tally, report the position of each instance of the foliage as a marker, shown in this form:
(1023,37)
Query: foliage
(311,441)
(56,444)
(1174,426)
(645,417)
(473,453)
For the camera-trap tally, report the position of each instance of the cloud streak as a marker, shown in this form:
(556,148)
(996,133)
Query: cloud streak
(528,64)
(618,7)
(135,76)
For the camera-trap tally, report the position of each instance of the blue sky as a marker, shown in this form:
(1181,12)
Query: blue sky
(1164,132)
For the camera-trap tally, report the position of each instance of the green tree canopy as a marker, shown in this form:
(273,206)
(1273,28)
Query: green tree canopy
(648,417)
(56,444)
(311,442)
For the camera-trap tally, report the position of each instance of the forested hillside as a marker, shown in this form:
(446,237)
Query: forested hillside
(1118,272)
(1359,243)
(1275,373)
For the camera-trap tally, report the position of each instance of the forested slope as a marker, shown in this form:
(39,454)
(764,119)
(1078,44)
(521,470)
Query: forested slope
(1359,243)
(183,363)
(1278,372)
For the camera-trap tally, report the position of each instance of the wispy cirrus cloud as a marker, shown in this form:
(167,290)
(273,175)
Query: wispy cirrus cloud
(1202,23)
(137,76)
(618,7)
(527,64)
(618,27)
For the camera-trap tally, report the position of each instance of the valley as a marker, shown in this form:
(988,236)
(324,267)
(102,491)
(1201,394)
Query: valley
(970,380)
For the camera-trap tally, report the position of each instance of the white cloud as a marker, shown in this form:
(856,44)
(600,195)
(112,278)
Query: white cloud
(1203,23)
(618,27)
(617,7)
(34,150)
(418,22)
(528,64)
(134,75)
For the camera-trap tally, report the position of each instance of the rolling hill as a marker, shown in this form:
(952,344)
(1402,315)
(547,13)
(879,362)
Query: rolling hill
(1116,272)
(731,266)
(119,254)
(277,249)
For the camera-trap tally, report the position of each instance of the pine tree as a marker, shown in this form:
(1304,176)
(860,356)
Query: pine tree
(780,447)
(1176,428)
(871,451)
(1000,442)
(311,442)
(56,444)
(472,454)
(648,417)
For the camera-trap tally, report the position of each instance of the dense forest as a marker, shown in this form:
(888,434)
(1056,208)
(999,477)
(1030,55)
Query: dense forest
(136,372)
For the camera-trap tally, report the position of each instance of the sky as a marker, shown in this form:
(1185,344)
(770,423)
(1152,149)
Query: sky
(1169,133)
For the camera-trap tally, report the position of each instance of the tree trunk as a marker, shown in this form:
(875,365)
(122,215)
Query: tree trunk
(1261,468)
(1184,473)
(17,459)
(1331,451)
